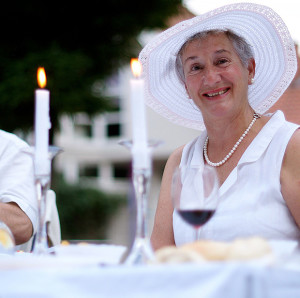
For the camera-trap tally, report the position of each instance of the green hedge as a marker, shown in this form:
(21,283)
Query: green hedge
(84,212)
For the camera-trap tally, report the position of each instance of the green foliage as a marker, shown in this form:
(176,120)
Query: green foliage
(84,212)
(78,43)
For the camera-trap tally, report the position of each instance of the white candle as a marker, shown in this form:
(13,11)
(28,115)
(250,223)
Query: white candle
(42,126)
(141,158)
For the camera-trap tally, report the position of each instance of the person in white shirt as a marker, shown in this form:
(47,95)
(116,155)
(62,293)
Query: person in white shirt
(18,204)
(219,73)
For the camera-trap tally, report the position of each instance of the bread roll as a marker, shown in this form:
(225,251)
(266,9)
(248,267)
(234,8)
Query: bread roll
(207,250)
(172,254)
(248,248)
(210,250)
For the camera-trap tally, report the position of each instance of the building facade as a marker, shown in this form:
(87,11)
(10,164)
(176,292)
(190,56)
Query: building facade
(93,156)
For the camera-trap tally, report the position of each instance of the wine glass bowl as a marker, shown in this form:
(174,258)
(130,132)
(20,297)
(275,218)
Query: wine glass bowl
(194,193)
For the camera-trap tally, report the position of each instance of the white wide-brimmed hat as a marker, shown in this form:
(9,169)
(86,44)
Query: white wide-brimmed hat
(260,26)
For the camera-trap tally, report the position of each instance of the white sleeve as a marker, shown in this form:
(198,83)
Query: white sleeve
(17,175)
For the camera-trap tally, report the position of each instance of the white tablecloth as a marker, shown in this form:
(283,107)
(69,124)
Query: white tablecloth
(47,277)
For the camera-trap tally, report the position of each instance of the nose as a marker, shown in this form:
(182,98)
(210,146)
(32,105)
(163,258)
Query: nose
(211,76)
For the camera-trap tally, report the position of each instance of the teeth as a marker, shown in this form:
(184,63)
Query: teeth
(216,93)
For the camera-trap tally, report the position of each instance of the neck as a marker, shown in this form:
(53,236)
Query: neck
(233,149)
(223,131)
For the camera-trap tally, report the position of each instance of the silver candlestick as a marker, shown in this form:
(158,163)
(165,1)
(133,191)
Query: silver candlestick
(141,251)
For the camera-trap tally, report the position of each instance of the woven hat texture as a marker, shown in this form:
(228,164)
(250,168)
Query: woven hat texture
(262,28)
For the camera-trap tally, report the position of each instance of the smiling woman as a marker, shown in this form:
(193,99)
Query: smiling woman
(219,73)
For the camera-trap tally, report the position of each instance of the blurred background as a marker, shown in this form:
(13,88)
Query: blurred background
(86,49)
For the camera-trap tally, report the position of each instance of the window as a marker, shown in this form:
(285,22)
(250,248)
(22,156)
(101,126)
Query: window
(88,171)
(82,125)
(83,130)
(113,126)
(121,171)
(113,130)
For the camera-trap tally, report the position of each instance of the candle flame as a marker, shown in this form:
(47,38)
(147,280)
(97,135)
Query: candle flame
(41,77)
(136,67)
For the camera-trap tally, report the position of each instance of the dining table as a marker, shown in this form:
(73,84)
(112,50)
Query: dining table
(96,271)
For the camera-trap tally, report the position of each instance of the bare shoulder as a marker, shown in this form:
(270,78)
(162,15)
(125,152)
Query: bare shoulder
(295,139)
(172,163)
(292,154)
(290,176)
(175,158)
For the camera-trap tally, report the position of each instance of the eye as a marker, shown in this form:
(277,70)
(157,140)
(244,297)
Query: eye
(195,67)
(222,61)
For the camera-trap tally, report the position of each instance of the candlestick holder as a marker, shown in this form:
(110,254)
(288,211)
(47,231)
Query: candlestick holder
(141,251)
(42,184)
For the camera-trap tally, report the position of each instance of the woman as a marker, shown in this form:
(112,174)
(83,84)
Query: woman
(220,72)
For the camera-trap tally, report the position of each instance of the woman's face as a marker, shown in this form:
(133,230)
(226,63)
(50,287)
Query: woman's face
(215,77)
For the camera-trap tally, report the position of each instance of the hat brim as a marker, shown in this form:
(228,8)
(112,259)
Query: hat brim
(262,28)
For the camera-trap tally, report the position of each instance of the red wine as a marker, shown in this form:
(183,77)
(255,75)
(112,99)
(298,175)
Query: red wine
(197,218)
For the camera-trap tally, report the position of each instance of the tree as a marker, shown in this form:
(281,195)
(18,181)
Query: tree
(77,43)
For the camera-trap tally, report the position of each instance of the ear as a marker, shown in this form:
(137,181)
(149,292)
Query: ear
(251,70)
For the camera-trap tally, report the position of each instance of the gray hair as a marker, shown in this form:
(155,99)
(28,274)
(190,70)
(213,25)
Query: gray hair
(241,46)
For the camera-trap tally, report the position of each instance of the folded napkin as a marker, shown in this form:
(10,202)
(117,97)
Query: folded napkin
(52,219)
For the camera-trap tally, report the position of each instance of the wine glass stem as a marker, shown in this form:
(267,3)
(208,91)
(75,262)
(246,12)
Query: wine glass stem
(196,234)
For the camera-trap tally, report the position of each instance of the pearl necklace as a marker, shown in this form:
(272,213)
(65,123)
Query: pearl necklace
(217,164)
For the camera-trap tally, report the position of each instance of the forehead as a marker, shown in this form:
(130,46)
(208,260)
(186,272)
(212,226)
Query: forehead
(211,41)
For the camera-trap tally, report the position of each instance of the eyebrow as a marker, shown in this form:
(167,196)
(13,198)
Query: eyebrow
(221,51)
(190,58)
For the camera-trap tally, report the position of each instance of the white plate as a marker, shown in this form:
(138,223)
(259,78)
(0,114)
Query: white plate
(102,253)
(65,256)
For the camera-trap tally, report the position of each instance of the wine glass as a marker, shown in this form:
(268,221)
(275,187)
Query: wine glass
(194,193)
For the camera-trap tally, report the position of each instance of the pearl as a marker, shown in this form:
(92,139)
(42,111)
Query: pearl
(217,164)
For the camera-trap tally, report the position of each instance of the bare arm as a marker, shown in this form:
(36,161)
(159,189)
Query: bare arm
(290,176)
(162,234)
(18,222)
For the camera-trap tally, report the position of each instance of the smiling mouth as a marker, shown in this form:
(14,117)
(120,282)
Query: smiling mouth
(216,93)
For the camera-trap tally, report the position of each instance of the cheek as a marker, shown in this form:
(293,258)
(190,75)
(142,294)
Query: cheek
(238,75)
(192,84)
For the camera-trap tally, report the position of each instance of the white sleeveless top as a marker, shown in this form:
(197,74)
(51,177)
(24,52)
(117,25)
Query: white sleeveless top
(250,203)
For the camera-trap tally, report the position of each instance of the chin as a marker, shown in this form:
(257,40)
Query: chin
(219,111)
